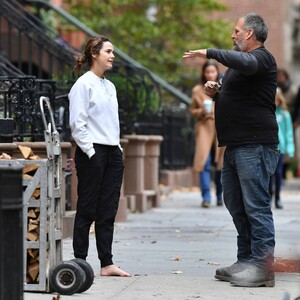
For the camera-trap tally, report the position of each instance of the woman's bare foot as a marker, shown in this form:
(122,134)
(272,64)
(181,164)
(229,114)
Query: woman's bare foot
(113,270)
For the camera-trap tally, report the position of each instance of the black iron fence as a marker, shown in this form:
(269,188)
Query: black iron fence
(19,102)
(173,122)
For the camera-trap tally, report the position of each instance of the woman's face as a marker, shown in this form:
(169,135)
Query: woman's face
(211,73)
(104,60)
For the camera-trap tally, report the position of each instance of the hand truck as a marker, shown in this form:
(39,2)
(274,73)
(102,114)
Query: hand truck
(65,277)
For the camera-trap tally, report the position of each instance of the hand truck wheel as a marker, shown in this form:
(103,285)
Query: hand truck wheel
(89,274)
(66,278)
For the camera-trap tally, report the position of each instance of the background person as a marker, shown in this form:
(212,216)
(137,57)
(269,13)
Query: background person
(246,125)
(288,89)
(94,123)
(202,109)
(291,93)
(286,144)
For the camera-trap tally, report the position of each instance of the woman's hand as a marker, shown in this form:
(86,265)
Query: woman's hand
(208,115)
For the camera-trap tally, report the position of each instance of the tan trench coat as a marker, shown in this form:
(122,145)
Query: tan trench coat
(205,132)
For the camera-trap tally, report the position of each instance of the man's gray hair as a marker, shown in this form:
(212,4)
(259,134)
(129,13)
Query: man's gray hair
(257,24)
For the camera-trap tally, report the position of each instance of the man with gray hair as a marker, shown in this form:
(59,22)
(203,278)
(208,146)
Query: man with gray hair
(246,125)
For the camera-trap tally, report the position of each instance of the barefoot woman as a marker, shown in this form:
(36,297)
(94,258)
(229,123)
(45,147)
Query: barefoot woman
(95,128)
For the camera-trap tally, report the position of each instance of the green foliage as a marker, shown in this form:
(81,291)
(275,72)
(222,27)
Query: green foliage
(157,41)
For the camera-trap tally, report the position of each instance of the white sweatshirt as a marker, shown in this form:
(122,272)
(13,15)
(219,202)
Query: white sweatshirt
(94,114)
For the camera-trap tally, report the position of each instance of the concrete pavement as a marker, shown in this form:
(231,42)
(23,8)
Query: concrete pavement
(173,252)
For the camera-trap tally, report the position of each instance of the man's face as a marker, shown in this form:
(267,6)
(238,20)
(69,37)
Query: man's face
(239,36)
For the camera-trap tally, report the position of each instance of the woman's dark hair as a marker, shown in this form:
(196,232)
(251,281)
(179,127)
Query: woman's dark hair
(207,64)
(284,72)
(93,46)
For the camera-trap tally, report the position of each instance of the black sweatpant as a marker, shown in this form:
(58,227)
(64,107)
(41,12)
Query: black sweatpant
(99,184)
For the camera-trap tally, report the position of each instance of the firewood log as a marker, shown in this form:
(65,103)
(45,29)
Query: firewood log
(26,151)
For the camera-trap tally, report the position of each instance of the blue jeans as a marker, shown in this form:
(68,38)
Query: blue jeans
(204,178)
(245,179)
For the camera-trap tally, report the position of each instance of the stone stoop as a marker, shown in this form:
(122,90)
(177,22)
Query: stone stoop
(186,178)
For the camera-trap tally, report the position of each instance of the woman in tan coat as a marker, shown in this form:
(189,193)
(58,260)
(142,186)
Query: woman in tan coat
(202,109)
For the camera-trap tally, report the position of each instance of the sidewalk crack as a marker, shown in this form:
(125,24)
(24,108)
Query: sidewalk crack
(124,289)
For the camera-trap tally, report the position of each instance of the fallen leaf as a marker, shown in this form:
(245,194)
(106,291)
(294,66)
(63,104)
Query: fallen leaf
(177,258)
(213,263)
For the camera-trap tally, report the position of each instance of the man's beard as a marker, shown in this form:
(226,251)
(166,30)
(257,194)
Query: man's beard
(236,48)
(241,47)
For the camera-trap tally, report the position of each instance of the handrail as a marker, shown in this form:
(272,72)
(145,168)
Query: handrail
(6,67)
(24,25)
(177,93)
(44,101)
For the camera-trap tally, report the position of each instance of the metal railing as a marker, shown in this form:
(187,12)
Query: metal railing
(31,46)
(174,124)
(7,68)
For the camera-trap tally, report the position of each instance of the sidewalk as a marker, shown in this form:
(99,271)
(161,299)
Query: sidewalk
(173,252)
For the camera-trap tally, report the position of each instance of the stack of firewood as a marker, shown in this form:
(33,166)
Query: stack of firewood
(33,215)
(33,218)
(33,265)
(33,231)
